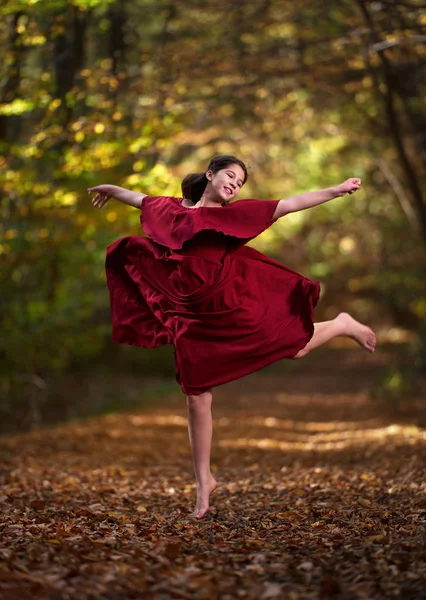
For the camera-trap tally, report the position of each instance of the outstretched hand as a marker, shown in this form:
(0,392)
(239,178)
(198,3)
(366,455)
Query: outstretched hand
(102,195)
(349,186)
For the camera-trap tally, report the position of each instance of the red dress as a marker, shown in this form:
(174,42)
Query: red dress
(227,309)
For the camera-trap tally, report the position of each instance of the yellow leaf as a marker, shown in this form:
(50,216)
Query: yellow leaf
(364,502)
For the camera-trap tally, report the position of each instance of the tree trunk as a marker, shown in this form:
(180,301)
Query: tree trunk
(394,125)
(13,75)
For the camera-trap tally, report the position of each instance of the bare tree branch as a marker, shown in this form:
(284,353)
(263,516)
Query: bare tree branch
(399,191)
(383,45)
(394,124)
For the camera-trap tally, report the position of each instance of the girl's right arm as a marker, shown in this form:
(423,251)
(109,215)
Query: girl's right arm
(105,192)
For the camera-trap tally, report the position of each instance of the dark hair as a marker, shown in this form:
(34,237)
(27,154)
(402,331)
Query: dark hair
(194,184)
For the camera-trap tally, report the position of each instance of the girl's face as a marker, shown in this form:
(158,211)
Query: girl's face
(226,183)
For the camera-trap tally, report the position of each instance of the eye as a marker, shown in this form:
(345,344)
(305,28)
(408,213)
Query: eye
(232,175)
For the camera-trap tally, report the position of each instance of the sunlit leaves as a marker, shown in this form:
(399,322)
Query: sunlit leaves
(285,86)
(16,107)
(157,176)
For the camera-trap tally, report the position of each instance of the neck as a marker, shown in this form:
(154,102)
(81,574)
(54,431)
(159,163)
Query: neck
(207,199)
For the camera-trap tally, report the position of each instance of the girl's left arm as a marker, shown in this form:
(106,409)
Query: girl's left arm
(311,199)
(105,192)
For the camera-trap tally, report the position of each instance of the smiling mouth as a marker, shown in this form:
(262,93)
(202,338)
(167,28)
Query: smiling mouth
(228,190)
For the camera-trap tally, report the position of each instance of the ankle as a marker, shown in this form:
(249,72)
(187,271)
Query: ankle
(206,481)
(343,322)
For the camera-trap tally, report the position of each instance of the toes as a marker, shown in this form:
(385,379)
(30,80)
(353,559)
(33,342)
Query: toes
(199,514)
(371,340)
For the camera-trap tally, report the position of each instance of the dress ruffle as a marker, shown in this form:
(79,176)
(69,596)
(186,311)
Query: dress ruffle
(171,224)
(136,319)
(227,309)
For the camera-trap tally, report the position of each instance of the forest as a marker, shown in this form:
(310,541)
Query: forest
(320,462)
(141,93)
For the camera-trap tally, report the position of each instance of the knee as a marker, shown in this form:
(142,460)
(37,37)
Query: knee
(199,401)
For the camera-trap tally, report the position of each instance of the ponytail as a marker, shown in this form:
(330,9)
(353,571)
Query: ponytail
(193,186)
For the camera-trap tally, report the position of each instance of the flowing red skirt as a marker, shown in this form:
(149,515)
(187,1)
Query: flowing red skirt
(228,310)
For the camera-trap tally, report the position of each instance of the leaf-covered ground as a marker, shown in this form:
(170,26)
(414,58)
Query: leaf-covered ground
(322,495)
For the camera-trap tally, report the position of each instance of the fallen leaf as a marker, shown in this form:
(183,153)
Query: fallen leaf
(306,566)
(272,590)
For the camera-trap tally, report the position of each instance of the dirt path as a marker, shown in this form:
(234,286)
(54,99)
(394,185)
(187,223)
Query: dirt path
(322,495)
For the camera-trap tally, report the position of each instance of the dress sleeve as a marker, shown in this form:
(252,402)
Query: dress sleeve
(170,224)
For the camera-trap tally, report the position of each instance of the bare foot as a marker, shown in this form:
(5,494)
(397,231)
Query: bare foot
(359,332)
(203,495)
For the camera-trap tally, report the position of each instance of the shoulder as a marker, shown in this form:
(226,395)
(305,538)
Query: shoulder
(252,204)
(162,198)
(152,201)
(244,201)
(249,202)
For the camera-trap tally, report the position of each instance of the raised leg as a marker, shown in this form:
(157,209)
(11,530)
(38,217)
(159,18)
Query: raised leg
(200,436)
(342,325)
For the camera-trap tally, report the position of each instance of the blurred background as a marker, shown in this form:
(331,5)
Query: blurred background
(140,92)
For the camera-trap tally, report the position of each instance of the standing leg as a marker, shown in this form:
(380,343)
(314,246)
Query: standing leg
(342,325)
(200,436)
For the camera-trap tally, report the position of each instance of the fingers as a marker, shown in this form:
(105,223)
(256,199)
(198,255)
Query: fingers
(94,189)
(101,197)
(100,200)
(355,184)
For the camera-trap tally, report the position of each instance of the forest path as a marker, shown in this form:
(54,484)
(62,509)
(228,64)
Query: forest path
(321,495)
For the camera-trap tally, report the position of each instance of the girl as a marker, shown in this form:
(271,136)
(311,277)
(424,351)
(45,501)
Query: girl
(227,309)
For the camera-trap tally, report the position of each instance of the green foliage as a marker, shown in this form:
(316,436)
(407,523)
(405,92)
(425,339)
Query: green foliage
(139,93)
